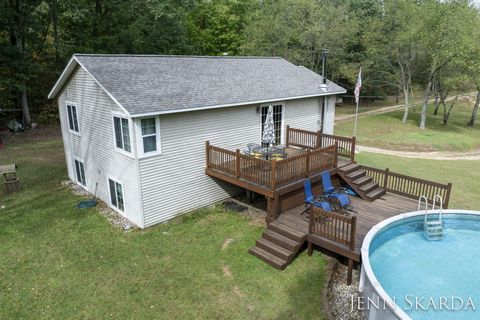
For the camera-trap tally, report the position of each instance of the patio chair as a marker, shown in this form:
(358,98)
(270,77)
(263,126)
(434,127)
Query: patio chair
(310,199)
(341,200)
(252,146)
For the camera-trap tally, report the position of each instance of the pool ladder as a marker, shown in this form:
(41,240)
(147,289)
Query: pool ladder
(432,227)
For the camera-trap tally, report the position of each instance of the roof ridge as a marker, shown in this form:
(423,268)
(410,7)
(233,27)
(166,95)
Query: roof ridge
(172,56)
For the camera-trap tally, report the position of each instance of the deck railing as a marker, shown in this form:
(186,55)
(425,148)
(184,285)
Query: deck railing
(333,226)
(315,140)
(407,186)
(270,174)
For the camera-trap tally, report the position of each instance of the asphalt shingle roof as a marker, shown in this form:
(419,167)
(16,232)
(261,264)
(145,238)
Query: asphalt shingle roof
(149,84)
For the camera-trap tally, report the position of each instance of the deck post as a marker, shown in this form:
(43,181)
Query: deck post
(273,208)
(335,155)
(273,177)
(237,163)
(353,232)
(447,196)
(354,143)
(385,179)
(207,150)
(307,165)
(287,139)
(310,229)
(318,143)
(350,272)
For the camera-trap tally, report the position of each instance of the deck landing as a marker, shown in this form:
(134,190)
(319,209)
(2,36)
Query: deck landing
(368,213)
(283,239)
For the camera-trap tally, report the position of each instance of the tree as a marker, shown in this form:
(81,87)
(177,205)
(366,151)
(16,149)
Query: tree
(391,48)
(444,32)
(298,30)
(216,27)
(17,18)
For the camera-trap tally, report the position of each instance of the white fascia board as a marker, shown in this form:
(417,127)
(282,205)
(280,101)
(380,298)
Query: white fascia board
(147,114)
(72,64)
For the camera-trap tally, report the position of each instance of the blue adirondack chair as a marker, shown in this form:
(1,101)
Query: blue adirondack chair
(310,198)
(329,191)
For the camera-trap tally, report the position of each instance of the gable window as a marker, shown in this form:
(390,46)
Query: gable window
(277,120)
(122,133)
(116,194)
(80,172)
(149,135)
(72,118)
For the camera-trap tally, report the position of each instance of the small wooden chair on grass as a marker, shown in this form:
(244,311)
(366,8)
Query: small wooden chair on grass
(12,183)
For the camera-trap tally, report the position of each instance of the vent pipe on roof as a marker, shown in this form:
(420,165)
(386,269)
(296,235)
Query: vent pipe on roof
(324,86)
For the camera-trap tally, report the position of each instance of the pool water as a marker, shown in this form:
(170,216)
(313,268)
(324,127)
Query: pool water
(431,279)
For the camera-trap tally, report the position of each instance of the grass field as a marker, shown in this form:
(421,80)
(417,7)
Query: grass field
(348,107)
(464,175)
(58,262)
(387,131)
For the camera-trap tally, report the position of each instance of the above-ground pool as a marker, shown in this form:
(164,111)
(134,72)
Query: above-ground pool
(405,276)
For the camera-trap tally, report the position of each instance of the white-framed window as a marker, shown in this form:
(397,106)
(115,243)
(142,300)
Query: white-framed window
(72,115)
(116,194)
(121,130)
(148,136)
(80,172)
(278,119)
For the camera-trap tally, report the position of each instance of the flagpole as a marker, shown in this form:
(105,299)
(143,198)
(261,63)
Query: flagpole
(358,87)
(356,118)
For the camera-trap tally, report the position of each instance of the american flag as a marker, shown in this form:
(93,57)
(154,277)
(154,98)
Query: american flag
(358,86)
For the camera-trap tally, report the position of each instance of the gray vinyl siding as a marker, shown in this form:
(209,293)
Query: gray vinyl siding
(306,114)
(174,182)
(95,144)
(329,114)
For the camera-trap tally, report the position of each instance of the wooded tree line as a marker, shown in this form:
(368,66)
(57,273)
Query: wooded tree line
(400,44)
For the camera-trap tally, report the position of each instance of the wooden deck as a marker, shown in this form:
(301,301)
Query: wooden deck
(368,214)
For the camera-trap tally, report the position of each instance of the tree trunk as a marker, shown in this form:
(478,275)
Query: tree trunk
(446,114)
(405,114)
(26,111)
(413,99)
(437,102)
(423,117)
(54,17)
(475,109)
(18,39)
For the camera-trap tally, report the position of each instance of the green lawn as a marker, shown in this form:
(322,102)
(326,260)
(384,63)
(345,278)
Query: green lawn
(387,131)
(58,262)
(465,175)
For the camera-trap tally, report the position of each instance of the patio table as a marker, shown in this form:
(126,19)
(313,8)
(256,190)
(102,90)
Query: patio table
(269,151)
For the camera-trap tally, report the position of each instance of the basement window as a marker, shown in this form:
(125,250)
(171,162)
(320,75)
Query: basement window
(80,172)
(116,194)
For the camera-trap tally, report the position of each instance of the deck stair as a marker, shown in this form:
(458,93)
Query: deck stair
(359,181)
(281,242)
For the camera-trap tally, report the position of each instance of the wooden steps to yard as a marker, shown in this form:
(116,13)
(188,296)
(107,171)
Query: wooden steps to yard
(281,241)
(359,181)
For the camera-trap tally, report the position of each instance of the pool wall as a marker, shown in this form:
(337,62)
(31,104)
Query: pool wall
(377,304)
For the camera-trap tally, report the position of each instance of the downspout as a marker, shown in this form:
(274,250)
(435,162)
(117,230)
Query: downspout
(323,86)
